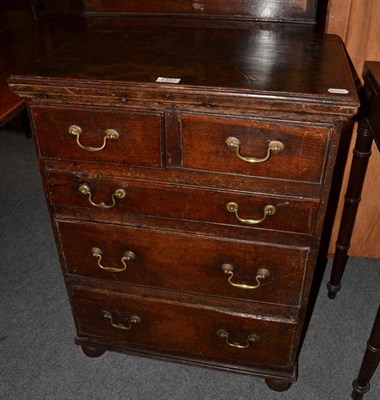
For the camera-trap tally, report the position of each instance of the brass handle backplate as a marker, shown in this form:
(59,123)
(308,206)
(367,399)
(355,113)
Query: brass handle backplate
(132,320)
(76,131)
(234,208)
(127,256)
(84,188)
(274,146)
(252,338)
(261,274)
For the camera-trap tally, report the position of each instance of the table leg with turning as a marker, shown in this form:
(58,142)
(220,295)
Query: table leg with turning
(361,154)
(369,363)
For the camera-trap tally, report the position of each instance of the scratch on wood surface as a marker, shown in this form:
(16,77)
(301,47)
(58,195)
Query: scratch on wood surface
(69,91)
(249,80)
(300,164)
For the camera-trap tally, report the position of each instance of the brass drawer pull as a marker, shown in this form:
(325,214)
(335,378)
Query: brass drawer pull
(133,319)
(262,273)
(76,131)
(253,337)
(234,208)
(127,256)
(84,188)
(274,146)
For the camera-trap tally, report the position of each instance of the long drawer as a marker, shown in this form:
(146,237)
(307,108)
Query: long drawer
(182,262)
(186,203)
(184,330)
(91,134)
(247,147)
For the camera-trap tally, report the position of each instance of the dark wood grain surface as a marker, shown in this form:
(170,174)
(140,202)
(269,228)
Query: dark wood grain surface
(257,61)
(187,203)
(22,41)
(181,329)
(204,147)
(139,142)
(371,75)
(165,261)
(262,83)
(293,10)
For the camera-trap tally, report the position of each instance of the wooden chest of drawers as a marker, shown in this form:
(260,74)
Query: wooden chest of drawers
(188,215)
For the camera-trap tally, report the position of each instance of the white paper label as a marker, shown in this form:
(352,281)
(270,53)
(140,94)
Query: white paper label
(168,80)
(338,91)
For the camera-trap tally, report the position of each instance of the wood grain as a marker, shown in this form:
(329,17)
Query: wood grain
(22,41)
(183,219)
(165,261)
(139,141)
(180,329)
(190,204)
(357,23)
(293,10)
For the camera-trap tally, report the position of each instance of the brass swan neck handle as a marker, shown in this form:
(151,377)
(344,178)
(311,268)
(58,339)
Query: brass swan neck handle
(274,146)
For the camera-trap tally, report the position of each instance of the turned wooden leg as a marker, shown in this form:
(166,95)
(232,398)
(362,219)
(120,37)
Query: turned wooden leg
(278,385)
(92,351)
(370,362)
(361,154)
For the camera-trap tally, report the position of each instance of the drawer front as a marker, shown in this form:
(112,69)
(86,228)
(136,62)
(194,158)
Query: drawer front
(187,263)
(210,206)
(89,135)
(185,330)
(212,143)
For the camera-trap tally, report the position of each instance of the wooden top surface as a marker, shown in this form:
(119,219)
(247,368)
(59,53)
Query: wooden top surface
(372,72)
(256,62)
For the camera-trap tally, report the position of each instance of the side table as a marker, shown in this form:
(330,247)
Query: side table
(368,130)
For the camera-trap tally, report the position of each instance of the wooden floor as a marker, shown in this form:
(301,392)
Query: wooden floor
(23,40)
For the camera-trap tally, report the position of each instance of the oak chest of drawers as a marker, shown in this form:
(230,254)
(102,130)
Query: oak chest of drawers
(187,172)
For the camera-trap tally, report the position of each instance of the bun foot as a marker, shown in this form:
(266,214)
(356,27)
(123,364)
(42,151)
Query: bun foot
(278,385)
(92,351)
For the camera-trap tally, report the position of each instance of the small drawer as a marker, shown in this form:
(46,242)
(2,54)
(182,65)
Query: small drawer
(192,204)
(119,137)
(254,148)
(132,322)
(187,263)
